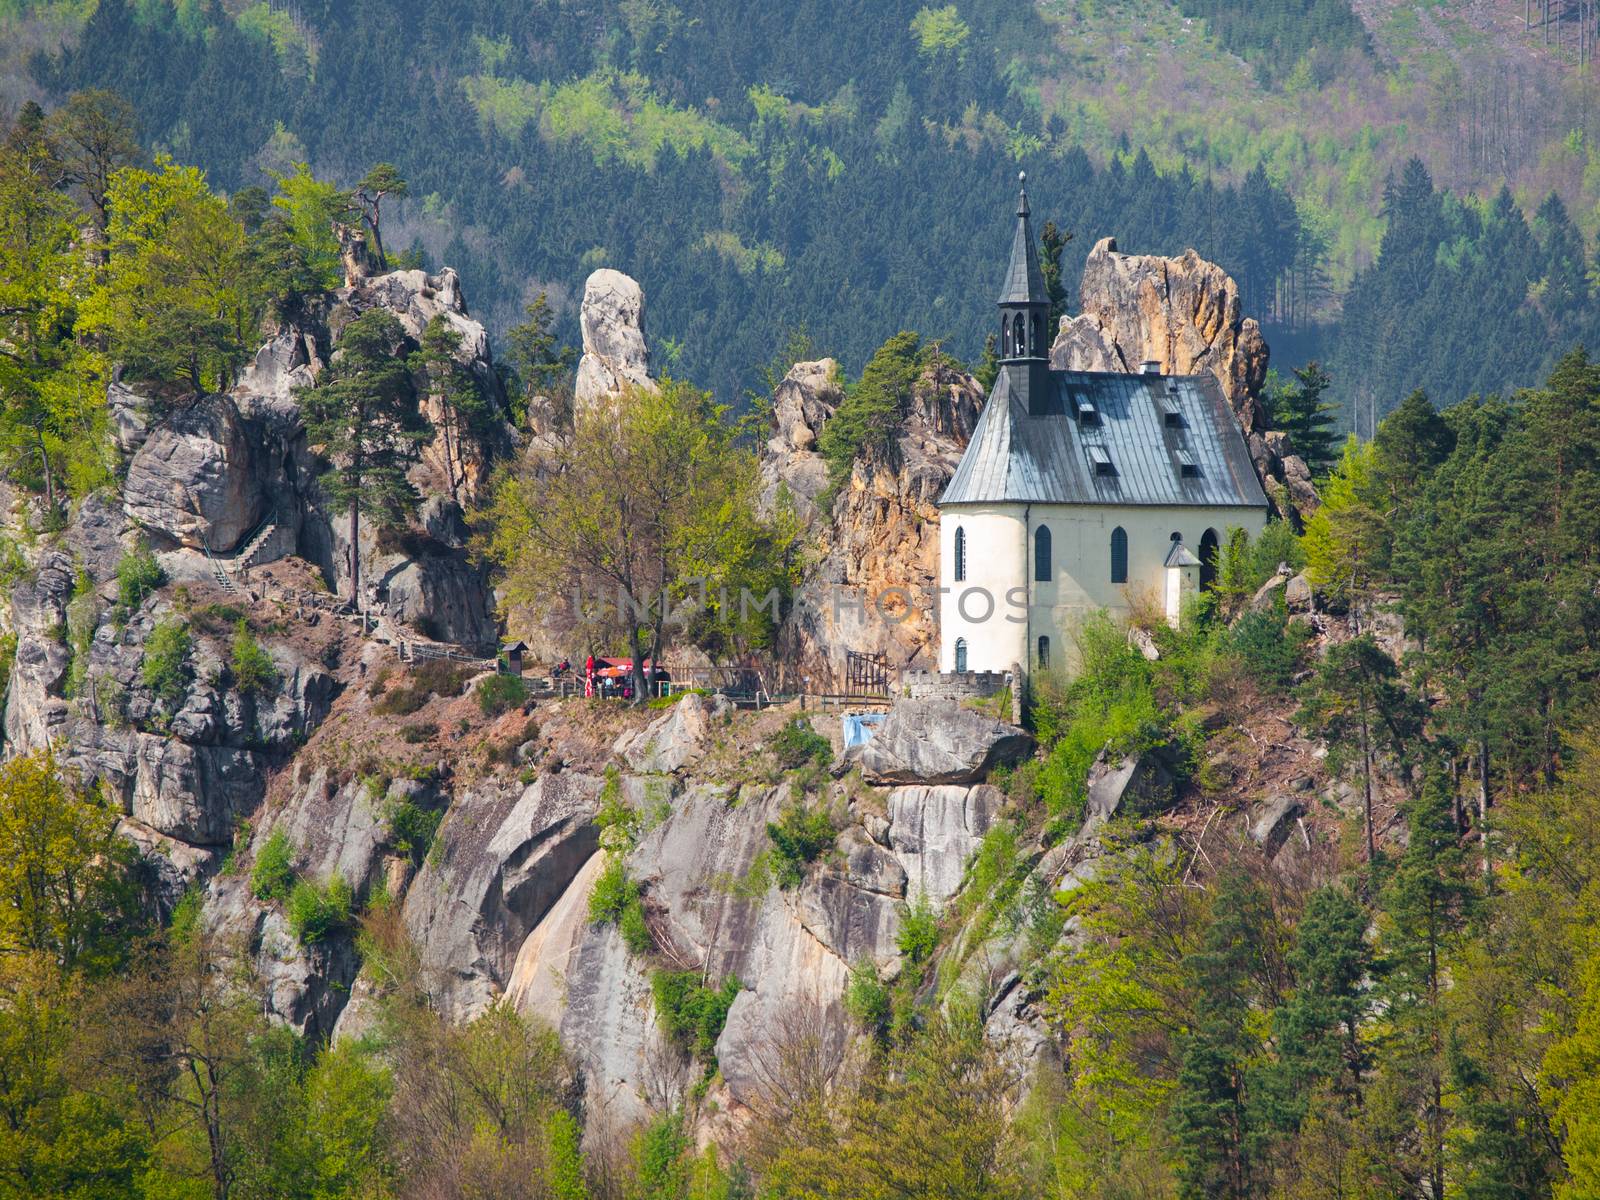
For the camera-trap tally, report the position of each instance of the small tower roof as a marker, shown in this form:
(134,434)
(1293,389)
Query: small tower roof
(1024,280)
(1179,556)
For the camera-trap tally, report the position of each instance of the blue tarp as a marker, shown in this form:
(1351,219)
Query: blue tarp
(858,728)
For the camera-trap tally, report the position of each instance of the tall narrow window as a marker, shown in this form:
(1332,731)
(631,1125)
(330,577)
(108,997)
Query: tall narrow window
(1044,654)
(961,654)
(1019,337)
(1119,555)
(961,554)
(1042,571)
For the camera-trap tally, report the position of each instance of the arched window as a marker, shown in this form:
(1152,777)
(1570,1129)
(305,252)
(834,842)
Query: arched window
(1019,336)
(1042,570)
(961,654)
(1208,560)
(1044,654)
(961,554)
(1119,555)
(1177,536)
(1038,332)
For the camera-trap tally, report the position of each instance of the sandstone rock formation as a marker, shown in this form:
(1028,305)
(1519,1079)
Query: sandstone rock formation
(195,480)
(872,588)
(1183,313)
(935,741)
(614,351)
(678,738)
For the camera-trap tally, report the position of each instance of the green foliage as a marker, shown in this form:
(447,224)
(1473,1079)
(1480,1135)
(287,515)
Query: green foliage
(254,672)
(273,875)
(174,302)
(1275,38)
(940,31)
(919,929)
(691,1014)
(309,208)
(799,837)
(615,900)
(865,420)
(363,415)
(66,879)
(1271,648)
(866,998)
(542,363)
(1111,705)
(797,744)
(1299,408)
(500,694)
(138,575)
(165,666)
(412,828)
(317,912)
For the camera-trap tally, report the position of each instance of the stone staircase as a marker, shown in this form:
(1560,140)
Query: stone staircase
(246,557)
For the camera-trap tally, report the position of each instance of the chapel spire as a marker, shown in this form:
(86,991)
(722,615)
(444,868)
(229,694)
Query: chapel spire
(1024,313)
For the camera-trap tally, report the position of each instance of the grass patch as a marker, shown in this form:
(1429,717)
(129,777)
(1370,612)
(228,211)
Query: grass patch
(614,900)
(254,672)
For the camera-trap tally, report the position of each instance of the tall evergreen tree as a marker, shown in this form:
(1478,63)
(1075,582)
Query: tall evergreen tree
(363,416)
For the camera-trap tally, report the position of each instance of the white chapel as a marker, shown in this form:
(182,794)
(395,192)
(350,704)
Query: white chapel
(1080,491)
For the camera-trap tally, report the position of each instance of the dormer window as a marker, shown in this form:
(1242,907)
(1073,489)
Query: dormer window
(1100,460)
(1084,409)
(1187,466)
(1171,413)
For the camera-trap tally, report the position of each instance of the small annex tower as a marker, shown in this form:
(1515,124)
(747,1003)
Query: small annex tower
(1080,491)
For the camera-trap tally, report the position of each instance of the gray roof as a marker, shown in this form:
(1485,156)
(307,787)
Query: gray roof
(1024,280)
(1051,459)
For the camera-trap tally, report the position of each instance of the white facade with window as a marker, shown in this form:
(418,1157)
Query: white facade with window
(1003,565)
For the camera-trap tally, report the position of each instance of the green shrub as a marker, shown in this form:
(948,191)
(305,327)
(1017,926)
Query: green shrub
(919,930)
(614,900)
(316,913)
(866,998)
(402,702)
(501,693)
(216,619)
(442,677)
(254,672)
(618,820)
(1270,648)
(635,929)
(691,1014)
(185,916)
(273,875)
(165,668)
(138,574)
(612,893)
(412,828)
(797,744)
(799,837)
(415,733)
(867,416)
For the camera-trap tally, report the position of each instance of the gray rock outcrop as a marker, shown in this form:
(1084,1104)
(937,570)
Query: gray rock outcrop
(194,479)
(935,741)
(614,352)
(678,738)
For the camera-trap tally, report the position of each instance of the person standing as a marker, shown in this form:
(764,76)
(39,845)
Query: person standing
(588,676)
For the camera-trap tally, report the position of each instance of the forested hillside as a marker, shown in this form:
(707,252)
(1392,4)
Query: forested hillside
(847,171)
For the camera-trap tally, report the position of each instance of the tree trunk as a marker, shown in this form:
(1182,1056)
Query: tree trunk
(1483,801)
(636,648)
(355,553)
(49,476)
(1366,777)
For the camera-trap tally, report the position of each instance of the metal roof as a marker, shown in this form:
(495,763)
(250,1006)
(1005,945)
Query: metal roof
(1024,280)
(1048,459)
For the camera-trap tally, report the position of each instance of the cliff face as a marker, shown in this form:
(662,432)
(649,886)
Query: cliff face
(1183,313)
(879,545)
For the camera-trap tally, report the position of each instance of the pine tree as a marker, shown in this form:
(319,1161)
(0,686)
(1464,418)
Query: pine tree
(363,416)
(1300,409)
